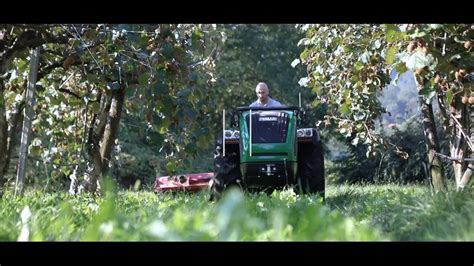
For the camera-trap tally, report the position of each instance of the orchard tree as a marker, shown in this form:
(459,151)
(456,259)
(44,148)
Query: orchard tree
(442,60)
(15,40)
(164,71)
(346,71)
(348,66)
(87,73)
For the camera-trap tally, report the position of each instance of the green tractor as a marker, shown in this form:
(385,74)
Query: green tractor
(267,149)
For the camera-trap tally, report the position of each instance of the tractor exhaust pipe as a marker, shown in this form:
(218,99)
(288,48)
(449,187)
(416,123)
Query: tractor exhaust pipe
(250,132)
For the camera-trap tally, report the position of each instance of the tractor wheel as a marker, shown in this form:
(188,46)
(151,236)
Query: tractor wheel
(311,177)
(226,171)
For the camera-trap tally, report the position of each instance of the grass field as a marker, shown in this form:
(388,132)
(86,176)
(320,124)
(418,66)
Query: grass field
(357,213)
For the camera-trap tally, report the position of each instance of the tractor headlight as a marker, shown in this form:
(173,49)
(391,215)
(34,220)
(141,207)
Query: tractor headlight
(299,133)
(236,134)
(232,134)
(304,133)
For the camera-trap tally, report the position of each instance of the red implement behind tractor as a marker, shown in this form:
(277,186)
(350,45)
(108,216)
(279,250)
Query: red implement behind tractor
(186,182)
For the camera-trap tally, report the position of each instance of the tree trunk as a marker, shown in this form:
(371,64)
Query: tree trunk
(460,125)
(101,139)
(90,182)
(435,165)
(111,129)
(466,177)
(458,128)
(3,118)
(94,167)
(15,117)
(25,132)
(3,137)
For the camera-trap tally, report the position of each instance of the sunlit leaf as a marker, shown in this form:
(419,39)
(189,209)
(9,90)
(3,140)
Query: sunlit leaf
(449,97)
(390,55)
(143,79)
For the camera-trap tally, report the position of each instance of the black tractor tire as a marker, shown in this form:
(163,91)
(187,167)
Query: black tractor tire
(226,171)
(311,177)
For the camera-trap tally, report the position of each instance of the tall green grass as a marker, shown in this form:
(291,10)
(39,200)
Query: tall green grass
(408,212)
(356,213)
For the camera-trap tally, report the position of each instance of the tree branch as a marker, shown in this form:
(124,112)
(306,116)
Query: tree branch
(70,92)
(459,126)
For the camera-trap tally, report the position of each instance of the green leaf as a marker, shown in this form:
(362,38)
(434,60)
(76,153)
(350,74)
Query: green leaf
(21,64)
(90,34)
(418,34)
(197,35)
(316,89)
(190,113)
(193,77)
(304,55)
(74,102)
(143,79)
(65,170)
(344,109)
(168,49)
(315,103)
(390,56)
(428,93)
(92,78)
(358,66)
(365,57)
(171,166)
(162,88)
(160,74)
(165,107)
(425,91)
(401,68)
(184,92)
(95,107)
(163,129)
(390,32)
(466,61)
(449,96)
(142,40)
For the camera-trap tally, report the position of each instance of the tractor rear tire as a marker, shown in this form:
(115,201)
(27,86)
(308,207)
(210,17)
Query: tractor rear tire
(226,171)
(311,177)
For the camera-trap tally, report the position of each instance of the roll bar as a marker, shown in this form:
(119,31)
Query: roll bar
(288,108)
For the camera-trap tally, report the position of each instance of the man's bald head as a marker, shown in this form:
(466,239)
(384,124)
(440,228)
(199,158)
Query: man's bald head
(262,92)
(262,85)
